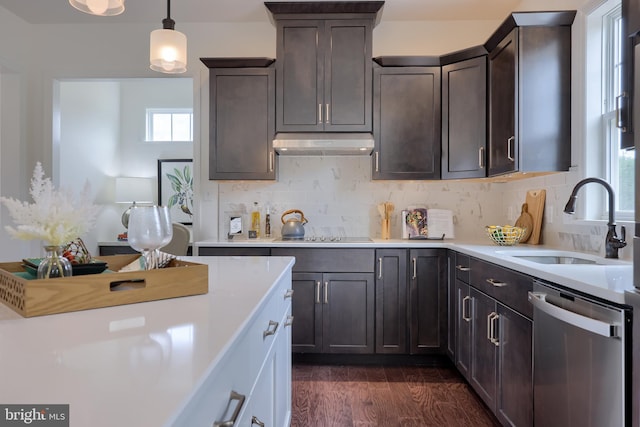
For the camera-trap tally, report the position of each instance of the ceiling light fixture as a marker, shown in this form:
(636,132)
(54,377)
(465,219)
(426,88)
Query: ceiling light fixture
(99,7)
(168,47)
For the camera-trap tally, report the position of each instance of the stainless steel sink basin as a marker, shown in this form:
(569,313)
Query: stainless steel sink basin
(549,259)
(559,257)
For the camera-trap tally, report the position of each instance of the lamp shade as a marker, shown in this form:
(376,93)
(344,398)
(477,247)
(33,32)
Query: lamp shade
(134,190)
(99,7)
(168,51)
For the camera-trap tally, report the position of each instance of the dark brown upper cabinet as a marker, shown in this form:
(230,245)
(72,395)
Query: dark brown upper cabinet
(630,28)
(464,114)
(530,93)
(323,52)
(406,117)
(241,118)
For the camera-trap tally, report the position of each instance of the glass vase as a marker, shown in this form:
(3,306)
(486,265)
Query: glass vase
(54,264)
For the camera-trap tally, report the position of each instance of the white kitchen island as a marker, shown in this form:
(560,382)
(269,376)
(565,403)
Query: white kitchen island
(171,362)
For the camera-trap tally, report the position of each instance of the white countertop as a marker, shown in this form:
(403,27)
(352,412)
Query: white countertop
(136,364)
(608,282)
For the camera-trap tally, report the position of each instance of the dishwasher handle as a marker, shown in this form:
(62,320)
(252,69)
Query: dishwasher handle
(539,301)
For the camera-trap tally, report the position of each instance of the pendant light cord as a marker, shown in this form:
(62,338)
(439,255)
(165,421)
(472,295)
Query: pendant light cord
(168,23)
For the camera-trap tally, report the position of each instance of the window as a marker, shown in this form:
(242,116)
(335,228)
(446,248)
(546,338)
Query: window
(169,125)
(619,167)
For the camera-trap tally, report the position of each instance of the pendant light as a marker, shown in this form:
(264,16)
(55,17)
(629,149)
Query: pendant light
(168,47)
(99,7)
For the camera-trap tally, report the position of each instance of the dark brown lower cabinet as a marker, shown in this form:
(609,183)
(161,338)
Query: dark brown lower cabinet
(391,301)
(333,313)
(463,327)
(501,362)
(428,301)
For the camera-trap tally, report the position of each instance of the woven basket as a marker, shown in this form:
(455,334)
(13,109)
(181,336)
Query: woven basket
(505,235)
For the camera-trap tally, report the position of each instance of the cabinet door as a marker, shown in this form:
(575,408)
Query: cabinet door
(242,123)
(463,328)
(451,305)
(391,301)
(483,351)
(406,116)
(306,307)
(428,301)
(503,75)
(347,318)
(515,372)
(300,75)
(464,118)
(347,87)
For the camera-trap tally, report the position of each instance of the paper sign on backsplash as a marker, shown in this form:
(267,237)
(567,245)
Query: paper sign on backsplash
(421,223)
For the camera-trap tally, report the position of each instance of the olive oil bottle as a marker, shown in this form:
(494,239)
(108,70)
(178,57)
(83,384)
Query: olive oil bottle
(255,220)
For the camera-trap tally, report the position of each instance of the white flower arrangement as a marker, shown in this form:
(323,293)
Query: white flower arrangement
(54,216)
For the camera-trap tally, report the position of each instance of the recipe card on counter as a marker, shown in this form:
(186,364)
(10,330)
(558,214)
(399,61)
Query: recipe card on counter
(440,224)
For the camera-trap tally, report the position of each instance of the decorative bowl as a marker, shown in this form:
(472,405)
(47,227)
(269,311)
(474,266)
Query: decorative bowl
(507,235)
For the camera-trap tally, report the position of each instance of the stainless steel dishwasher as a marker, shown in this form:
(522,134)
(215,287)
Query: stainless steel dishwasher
(580,357)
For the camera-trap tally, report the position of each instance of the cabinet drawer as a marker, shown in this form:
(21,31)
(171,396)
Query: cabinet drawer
(505,285)
(227,251)
(335,260)
(462,267)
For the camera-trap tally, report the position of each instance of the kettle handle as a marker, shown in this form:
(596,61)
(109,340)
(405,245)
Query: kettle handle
(290,211)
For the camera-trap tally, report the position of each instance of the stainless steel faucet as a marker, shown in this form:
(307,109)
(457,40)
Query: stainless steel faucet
(612,241)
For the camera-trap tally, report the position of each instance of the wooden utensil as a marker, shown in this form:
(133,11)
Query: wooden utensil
(525,220)
(535,201)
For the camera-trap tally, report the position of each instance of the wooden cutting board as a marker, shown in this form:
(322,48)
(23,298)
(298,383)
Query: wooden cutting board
(535,203)
(525,220)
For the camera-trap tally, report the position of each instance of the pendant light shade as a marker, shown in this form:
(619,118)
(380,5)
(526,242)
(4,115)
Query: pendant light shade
(168,47)
(99,7)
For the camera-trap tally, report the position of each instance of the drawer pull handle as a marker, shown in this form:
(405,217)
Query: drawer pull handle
(229,423)
(288,294)
(496,284)
(465,312)
(461,268)
(415,268)
(271,330)
(255,420)
(380,268)
(493,329)
(510,142)
(289,321)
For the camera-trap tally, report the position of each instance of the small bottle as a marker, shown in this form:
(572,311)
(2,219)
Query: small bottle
(267,223)
(255,220)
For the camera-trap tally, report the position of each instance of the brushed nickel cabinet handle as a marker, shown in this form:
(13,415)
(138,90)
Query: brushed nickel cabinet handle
(415,268)
(289,321)
(461,268)
(326,119)
(318,292)
(497,284)
(288,294)
(230,422)
(377,161)
(510,141)
(494,330)
(271,161)
(465,313)
(489,330)
(380,268)
(481,157)
(271,330)
(319,113)
(326,292)
(255,420)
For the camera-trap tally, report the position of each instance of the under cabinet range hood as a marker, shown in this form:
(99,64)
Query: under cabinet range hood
(323,144)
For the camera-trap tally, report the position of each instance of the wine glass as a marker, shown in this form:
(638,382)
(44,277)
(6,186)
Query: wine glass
(167,230)
(145,233)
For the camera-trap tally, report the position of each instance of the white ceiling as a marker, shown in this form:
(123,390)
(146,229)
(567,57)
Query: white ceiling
(198,11)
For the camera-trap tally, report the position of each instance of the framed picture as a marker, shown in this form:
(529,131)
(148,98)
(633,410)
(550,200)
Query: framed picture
(175,188)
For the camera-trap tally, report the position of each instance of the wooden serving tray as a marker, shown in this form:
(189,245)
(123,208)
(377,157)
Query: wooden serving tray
(36,297)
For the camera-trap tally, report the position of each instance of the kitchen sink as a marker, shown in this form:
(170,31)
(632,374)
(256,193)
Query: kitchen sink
(551,257)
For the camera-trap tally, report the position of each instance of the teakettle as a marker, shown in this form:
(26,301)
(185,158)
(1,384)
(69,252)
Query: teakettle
(293,228)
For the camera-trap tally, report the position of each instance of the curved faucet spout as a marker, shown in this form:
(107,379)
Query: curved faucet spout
(612,242)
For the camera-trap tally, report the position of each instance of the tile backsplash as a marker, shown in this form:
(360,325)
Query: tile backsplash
(338,197)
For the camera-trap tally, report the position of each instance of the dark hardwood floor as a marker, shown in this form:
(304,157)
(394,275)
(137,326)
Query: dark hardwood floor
(358,396)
